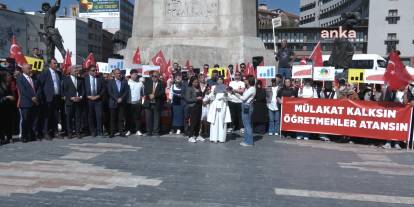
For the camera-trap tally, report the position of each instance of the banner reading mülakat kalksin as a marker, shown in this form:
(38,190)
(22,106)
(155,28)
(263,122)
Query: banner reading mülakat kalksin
(365,119)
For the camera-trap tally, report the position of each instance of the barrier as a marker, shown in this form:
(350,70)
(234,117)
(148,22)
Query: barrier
(365,119)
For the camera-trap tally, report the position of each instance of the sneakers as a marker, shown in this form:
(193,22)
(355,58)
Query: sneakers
(178,132)
(200,139)
(128,133)
(270,134)
(299,137)
(276,134)
(242,130)
(245,145)
(138,133)
(192,140)
(325,139)
(229,130)
(397,146)
(387,146)
(306,138)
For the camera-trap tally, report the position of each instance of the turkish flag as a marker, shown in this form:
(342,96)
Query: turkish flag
(89,61)
(137,57)
(396,76)
(227,80)
(187,64)
(316,56)
(67,63)
(249,70)
(159,60)
(16,53)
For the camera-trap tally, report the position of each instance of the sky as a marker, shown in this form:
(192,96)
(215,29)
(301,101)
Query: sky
(34,5)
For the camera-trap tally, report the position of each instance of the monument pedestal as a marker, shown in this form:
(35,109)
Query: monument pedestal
(203,31)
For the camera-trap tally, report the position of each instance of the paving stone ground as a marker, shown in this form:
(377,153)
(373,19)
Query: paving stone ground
(168,171)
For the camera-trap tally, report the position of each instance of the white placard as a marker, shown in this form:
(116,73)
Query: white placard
(324,73)
(374,76)
(146,69)
(116,63)
(302,71)
(277,22)
(103,67)
(266,72)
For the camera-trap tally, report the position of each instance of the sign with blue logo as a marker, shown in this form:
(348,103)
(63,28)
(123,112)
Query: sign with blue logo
(266,72)
(116,63)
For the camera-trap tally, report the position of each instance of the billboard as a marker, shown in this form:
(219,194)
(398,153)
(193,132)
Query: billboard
(99,8)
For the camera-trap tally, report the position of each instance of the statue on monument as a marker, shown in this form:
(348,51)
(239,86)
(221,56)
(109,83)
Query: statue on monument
(51,37)
(343,50)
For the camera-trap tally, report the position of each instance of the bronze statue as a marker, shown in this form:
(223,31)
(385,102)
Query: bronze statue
(343,50)
(51,37)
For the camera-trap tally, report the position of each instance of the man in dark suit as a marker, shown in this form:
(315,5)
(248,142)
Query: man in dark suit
(28,100)
(73,91)
(153,102)
(94,91)
(118,96)
(50,86)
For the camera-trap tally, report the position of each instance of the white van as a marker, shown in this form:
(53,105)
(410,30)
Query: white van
(364,61)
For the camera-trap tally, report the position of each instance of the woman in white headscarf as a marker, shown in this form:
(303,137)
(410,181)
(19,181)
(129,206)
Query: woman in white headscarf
(219,112)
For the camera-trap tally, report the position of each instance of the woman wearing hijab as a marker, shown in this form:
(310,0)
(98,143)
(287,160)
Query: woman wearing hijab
(177,105)
(219,112)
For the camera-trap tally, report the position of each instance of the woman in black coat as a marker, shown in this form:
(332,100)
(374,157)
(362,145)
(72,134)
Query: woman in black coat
(7,103)
(260,113)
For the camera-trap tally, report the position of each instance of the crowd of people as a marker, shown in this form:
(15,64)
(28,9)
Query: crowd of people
(50,104)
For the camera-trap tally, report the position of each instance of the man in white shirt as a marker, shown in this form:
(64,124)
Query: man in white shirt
(238,86)
(274,112)
(136,91)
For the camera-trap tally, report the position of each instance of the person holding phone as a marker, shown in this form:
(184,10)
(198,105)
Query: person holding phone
(247,109)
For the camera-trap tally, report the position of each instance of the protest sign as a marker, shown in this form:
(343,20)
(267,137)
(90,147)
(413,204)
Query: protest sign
(103,67)
(221,72)
(302,71)
(266,72)
(365,119)
(324,73)
(37,64)
(116,63)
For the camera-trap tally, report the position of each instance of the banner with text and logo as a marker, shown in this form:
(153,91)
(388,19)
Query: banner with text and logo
(365,119)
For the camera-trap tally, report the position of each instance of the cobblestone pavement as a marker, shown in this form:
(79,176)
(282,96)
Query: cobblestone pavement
(168,171)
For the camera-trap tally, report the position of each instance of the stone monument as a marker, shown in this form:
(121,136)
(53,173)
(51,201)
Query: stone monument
(202,31)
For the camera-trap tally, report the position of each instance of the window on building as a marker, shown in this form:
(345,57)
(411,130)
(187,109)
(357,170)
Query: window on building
(391,42)
(392,17)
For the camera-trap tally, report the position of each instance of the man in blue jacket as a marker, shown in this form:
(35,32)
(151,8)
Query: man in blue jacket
(28,100)
(118,96)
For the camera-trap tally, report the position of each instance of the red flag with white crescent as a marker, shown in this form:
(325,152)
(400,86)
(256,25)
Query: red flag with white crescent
(89,61)
(137,57)
(159,60)
(396,76)
(67,63)
(316,56)
(16,53)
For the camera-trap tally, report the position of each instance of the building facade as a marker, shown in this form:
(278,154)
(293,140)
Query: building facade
(25,27)
(75,33)
(391,26)
(303,40)
(327,13)
(95,40)
(118,19)
(265,26)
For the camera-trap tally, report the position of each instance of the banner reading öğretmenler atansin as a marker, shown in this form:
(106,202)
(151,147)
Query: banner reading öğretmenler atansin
(366,119)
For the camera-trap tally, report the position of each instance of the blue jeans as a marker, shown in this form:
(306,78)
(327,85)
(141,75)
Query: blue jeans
(285,72)
(274,121)
(247,122)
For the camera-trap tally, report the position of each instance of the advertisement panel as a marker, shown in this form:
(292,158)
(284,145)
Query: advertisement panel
(365,119)
(99,8)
